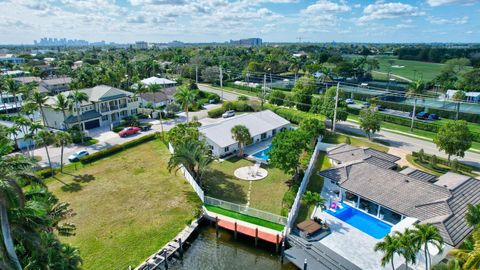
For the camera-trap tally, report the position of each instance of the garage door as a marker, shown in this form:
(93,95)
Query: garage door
(92,124)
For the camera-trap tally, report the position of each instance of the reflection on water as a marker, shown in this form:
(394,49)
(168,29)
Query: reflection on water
(209,253)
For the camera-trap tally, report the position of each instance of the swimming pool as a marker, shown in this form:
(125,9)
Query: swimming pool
(364,222)
(263,154)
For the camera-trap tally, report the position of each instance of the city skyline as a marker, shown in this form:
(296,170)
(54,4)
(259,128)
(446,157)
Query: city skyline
(220,20)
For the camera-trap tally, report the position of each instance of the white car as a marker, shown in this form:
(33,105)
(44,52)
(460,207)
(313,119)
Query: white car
(350,101)
(77,155)
(228,114)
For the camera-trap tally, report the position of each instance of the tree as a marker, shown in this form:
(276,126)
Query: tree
(328,106)
(63,104)
(211,75)
(286,149)
(414,89)
(77,98)
(459,96)
(156,88)
(454,138)
(186,98)
(13,88)
(473,215)
(194,155)
(241,134)
(470,81)
(184,132)
(62,139)
(313,127)
(390,246)
(369,121)
(468,254)
(39,100)
(312,199)
(408,248)
(303,91)
(425,234)
(276,97)
(46,138)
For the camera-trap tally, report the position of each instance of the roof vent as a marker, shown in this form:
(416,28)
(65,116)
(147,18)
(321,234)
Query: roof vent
(407,181)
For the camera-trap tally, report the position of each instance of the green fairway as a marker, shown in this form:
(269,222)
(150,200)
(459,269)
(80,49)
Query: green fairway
(126,206)
(412,70)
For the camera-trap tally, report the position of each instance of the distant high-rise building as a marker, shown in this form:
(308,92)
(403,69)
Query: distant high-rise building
(247,42)
(60,42)
(143,45)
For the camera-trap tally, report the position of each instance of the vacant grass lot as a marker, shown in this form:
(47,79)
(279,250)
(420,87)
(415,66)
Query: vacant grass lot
(338,138)
(127,206)
(265,194)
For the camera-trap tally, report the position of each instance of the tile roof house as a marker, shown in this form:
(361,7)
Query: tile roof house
(55,85)
(262,126)
(166,96)
(393,196)
(106,106)
(343,153)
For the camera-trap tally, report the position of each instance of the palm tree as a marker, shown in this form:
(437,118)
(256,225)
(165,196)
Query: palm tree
(39,101)
(408,248)
(473,215)
(33,128)
(241,134)
(389,246)
(77,98)
(3,87)
(61,140)
(424,235)
(294,66)
(186,98)
(414,89)
(63,104)
(13,88)
(46,138)
(193,155)
(452,264)
(469,254)
(313,198)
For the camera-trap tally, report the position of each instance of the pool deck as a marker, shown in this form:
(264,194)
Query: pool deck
(257,147)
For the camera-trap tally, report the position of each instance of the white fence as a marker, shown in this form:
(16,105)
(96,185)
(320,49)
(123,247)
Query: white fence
(189,178)
(246,210)
(296,204)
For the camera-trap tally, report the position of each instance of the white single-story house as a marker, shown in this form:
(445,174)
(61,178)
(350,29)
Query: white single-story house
(158,99)
(262,126)
(469,96)
(160,81)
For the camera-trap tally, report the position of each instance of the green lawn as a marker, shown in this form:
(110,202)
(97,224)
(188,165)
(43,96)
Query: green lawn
(246,218)
(424,70)
(438,170)
(338,138)
(127,206)
(315,184)
(266,194)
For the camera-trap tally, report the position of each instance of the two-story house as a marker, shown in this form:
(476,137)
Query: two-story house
(106,106)
(55,85)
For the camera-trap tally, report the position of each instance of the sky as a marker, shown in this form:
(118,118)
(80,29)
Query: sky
(127,21)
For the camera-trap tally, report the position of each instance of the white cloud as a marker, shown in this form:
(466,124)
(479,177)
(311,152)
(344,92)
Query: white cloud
(324,6)
(380,10)
(449,21)
(436,3)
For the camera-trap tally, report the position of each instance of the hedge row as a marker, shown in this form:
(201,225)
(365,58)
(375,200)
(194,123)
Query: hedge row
(238,106)
(293,115)
(117,148)
(443,161)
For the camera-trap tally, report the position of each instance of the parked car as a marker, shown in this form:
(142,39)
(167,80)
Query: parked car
(380,108)
(350,101)
(422,115)
(146,128)
(129,131)
(433,117)
(77,155)
(366,105)
(228,114)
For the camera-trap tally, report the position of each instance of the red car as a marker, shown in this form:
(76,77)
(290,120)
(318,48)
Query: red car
(128,131)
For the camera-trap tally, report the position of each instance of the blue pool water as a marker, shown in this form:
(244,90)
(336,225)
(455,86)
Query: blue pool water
(263,154)
(364,222)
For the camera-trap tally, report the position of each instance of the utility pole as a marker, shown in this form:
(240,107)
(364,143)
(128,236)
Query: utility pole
(196,74)
(336,106)
(413,113)
(263,89)
(221,80)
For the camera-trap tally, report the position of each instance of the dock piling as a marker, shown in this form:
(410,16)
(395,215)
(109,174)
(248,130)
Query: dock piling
(305,265)
(180,248)
(165,256)
(235,231)
(256,236)
(282,252)
(276,243)
(216,225)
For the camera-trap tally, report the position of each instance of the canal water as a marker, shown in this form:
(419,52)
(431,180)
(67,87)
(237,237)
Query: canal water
(209,253)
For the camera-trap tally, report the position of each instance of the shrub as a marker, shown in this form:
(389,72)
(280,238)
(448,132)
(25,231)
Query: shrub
(292,115)
(215,113)
(242,98)
(44,173)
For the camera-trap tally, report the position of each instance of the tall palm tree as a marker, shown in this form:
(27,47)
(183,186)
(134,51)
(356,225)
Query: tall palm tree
(473,215)
(414,89)
(312,199)
(408,249)
(193,155)
(390,246)
(33,130)
(186,98)
(39,100)
(46,138)
(62,139)
(241,134)
(3,88)
(469,255)
(294,66)
(13,88)
(63,104)
(77,98)
(425,234)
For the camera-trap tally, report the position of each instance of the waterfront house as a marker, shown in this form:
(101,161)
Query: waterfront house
(262,126)
(106,106)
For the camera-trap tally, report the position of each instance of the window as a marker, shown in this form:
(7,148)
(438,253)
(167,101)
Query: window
(368,206)
(263,136)
(226,149)
(105,118)
(134,111)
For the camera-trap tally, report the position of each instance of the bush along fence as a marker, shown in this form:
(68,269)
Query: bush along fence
(306,178)
(292,115)
(189,178)
(442,161)
(406,122)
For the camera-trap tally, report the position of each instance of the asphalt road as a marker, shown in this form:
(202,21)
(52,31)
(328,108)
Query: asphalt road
(227,95)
